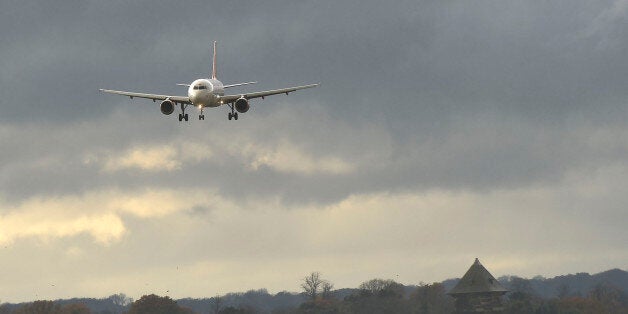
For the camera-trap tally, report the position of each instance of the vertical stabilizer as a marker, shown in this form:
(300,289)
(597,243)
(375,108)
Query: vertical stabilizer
(214,62)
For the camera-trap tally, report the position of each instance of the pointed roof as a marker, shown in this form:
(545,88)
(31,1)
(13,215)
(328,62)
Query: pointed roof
(477,279)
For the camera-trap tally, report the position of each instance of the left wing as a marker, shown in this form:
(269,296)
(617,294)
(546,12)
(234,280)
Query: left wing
(239,84)
(231,98)
(176,99)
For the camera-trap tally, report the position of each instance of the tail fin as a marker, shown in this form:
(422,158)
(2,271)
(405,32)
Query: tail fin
(214,62)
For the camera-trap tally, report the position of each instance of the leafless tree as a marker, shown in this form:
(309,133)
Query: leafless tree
(120,299)
(377,285)
(217,305)
(314,285)
(327,287)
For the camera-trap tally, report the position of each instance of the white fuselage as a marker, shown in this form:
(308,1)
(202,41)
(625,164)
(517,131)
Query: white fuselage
(206,92)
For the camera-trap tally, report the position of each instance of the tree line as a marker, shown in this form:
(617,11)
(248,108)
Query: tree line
(373,296)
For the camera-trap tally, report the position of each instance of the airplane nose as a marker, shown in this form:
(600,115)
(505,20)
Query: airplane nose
(194,98)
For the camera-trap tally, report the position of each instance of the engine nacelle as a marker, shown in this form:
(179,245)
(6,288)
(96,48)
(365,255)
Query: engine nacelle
(167,106)
(242,105)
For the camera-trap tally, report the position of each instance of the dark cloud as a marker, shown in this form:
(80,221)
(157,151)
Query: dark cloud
(417,98)
(412,62)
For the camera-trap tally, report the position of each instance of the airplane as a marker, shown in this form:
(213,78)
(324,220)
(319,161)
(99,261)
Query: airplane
(208,93)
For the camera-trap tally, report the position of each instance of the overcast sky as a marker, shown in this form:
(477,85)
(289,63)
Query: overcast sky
(442,131)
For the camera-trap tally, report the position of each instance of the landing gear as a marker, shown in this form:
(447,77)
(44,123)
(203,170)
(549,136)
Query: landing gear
(183,115)
(201,116)
(232,114)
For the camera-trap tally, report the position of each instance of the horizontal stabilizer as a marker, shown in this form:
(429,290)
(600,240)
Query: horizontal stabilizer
(186,85)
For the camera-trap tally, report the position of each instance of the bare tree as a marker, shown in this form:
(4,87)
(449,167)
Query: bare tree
(314,285)
(311,284)
(327,287)
(377,285)
(217,305)
(120,299)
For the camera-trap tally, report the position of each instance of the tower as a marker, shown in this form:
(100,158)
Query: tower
(478,291)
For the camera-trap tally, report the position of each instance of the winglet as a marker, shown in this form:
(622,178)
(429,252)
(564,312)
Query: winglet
(214,62)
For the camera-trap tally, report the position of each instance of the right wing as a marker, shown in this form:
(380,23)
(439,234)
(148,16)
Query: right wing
(231,98)
(154,97)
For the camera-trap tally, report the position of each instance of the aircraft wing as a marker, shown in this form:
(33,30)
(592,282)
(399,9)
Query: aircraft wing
(176,99)
(231,98)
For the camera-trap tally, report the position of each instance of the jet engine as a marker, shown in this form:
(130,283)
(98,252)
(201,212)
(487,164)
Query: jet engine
(167,106)
(242,105)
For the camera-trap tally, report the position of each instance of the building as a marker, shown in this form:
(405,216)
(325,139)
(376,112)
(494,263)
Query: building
(478,291)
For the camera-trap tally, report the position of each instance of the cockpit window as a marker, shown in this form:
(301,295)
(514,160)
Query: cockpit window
(200,87)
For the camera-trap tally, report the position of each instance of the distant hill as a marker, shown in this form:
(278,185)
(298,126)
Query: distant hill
(97,306)
(577,285)
(547,288)
(572,285)
(258,299)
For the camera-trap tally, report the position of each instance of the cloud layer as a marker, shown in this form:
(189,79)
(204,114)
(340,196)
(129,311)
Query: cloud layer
(442,132)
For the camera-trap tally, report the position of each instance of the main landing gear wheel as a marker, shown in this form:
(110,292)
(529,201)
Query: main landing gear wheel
(183,115)
(232,114)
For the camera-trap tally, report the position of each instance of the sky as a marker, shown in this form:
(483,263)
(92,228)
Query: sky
(442,131)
